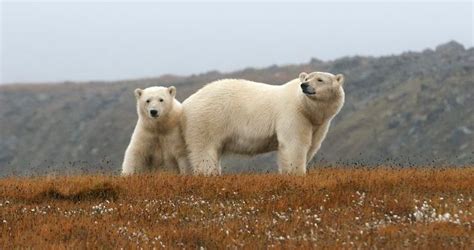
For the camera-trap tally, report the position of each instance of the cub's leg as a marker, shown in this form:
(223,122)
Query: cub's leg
(137,161)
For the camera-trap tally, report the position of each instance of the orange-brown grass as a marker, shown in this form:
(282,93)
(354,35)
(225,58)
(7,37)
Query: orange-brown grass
(328,208)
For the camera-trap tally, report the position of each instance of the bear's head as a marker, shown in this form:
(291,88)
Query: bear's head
(155,102)
(322,86)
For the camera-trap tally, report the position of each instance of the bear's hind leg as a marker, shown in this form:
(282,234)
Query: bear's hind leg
(183,165)
(205,161)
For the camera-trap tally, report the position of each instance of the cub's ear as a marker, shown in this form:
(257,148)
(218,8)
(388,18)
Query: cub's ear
(340,79)
(138,93)
(303,76)
(172,91)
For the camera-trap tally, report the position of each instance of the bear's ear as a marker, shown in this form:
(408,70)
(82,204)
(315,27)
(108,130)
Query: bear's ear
(172,91)
(340,79)
(303,76)
(138,93)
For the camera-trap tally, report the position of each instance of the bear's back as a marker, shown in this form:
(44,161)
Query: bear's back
(231,91)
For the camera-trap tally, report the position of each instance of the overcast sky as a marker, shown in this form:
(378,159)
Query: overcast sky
(42,42)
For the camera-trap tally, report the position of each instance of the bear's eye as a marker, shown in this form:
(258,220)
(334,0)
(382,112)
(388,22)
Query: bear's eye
(148,101)
(320,80)
(161,100)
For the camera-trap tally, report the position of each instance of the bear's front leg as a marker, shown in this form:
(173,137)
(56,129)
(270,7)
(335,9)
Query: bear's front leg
(292,161)
(318,137)
(292,153)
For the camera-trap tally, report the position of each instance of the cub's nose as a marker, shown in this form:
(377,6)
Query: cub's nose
(154,113)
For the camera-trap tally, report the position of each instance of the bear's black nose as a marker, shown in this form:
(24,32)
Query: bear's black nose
(304,86)
(307,89)
(154,113)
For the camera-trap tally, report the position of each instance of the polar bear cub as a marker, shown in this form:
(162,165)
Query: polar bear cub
(157,142)
(245,117)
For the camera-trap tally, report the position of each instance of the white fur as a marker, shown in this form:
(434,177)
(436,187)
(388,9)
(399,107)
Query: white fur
(156,142)
(244,117)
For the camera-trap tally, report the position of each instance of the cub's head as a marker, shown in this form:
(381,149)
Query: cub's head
(322,86)
(154,102)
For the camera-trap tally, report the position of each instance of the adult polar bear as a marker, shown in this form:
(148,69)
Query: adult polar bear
(244,117)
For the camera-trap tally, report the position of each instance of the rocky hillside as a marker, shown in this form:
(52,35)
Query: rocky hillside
(410,109)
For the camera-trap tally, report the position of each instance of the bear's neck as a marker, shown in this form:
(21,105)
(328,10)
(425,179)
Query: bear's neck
(320,111)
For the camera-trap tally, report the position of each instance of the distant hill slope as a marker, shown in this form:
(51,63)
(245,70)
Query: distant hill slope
(413,108)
